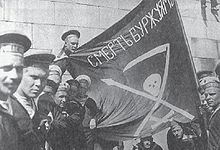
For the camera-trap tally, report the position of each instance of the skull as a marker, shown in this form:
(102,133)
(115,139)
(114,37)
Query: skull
(152,84)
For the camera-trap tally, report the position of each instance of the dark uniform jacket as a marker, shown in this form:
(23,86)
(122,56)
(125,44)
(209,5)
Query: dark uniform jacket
(30,136)
(8,130)
(214,131)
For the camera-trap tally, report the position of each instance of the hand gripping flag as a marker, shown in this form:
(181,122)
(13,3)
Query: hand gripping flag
(141,71)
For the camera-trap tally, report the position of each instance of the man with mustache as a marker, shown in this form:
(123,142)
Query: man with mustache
(35,73)
(12,46)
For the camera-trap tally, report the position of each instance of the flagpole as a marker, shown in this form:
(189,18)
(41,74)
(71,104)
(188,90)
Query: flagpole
(198,103)
(189,51)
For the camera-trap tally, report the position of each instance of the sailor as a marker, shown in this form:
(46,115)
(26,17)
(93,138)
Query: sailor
(212,95)
(35,73)
(12,46)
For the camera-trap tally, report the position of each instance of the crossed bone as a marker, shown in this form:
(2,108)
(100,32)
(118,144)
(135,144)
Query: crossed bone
(158,99)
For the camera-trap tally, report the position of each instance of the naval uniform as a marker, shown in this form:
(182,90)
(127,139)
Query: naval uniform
(8,126)
(31,136)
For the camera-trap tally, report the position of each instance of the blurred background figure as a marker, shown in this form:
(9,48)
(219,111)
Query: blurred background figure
(55,74)
(184,136)
(61,95)
(74,89)
(146,143)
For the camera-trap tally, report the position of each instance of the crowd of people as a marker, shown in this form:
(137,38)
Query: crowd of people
(202,133)
(41,112)
(37,110)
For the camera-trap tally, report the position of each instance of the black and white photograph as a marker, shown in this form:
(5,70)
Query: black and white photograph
(109,75)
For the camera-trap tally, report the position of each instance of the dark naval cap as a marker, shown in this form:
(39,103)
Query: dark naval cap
(14,42)
(70,32)
(34,56)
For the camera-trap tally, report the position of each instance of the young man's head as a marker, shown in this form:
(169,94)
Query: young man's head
(35,73)
(85,83)
(212,93)
(71,39)
(12,47)
(61,94)
(177,130)
(205,77)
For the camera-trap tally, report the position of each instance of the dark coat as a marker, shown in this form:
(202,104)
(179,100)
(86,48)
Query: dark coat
(87,112)
(192,142)
(63,126)
(8,131)
(30,136)
(46,104)
(214,132)
(86,136)
(60,134)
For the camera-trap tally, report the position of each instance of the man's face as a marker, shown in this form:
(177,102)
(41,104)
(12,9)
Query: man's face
(147,144)
(177,131)
(212,95)
(61,98)
(33,81)
(84,86)
(11,70)
(72,42)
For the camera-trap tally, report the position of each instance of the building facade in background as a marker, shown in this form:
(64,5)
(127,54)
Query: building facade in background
(44,21)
